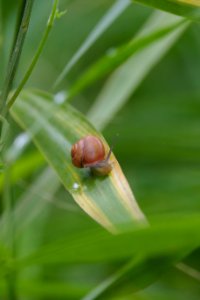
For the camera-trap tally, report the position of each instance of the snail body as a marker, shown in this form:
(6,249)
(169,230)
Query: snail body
(89,152)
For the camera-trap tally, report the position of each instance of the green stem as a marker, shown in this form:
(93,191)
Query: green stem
(107,283)
(1,33)
(11,286)
(18,23)
(16,52)
(18,42)
(37,54)
(9,231)
(188,270)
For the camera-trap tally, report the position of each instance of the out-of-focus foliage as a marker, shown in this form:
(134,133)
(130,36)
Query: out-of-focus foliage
(187,8)
(55,251)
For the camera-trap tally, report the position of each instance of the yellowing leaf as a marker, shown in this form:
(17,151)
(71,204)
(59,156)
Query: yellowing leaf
(108,200)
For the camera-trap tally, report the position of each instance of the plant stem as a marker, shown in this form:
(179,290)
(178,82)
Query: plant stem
(108,282)
(18,41)
(21,31)
(37,54)
(110,16)
(188,270)
(9,231)
(11,288)
(1,33)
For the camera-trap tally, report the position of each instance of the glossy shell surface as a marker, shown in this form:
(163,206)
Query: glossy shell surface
(88,150)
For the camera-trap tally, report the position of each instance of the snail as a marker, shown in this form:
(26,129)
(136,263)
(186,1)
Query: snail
(89,152)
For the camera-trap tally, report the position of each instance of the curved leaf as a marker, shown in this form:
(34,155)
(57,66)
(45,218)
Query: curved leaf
(169,235)
(116,57)
(125,80)
(109,199)
(110,16)
(23,167)
(186,8)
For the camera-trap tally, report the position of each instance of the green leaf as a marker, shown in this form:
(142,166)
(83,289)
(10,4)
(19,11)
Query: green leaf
(50,22)
(5,128)
(108,199)
(30,216)
(110,16)
(186,8)
(33,204)
(48,289)
(18,42)
(1,33)
(34,201)
(125,80)
(168,235)
(139,270)
(23,167)
(117,56)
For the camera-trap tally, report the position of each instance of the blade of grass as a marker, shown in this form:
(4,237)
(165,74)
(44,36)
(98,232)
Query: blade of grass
(30,217)
(139,270)
(9,238)
(111,15)
(1,33)
(18,146)
(23,168)
(185,8)
(100,289)
(28,233)
(188,270)
(111,61)
(43,289)
(108,200)
(37,54)
(167,235)
(16,52)
(32,203)
(125,80)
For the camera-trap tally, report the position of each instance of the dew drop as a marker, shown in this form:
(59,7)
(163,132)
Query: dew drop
(75,186)
(60,97)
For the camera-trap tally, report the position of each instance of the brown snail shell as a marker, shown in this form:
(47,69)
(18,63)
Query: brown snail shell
(89,152)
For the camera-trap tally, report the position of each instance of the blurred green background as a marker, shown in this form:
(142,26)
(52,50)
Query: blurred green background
(156,138)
